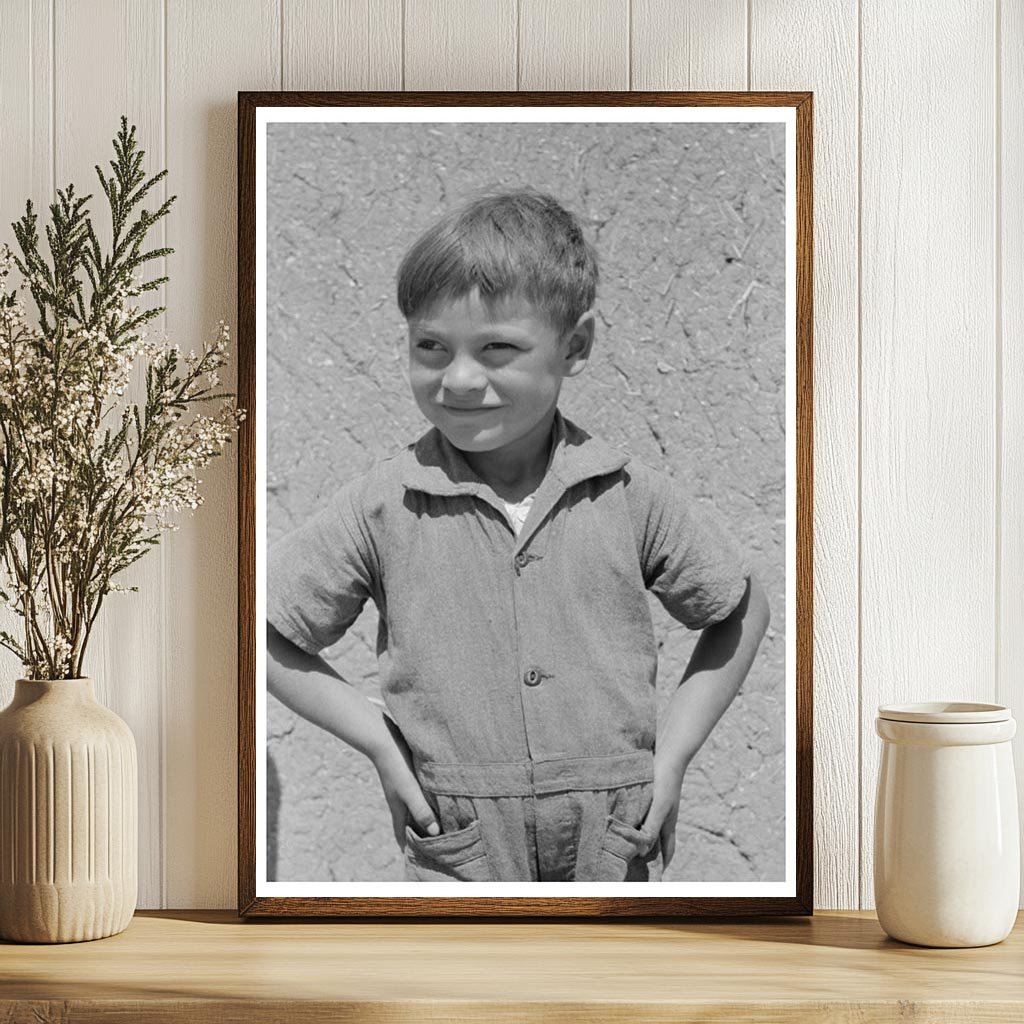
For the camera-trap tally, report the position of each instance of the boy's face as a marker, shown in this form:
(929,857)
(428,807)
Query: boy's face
(488,375)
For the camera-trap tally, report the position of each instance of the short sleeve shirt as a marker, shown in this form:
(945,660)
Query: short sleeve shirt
(495,647)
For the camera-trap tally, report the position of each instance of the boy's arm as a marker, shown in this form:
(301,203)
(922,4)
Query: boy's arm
(307,685)
(719,664)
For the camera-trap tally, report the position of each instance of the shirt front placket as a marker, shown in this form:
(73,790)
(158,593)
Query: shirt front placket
(548,691)
(546,699)
(534,588)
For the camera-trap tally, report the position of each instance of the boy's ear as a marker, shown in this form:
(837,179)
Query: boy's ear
(579,342)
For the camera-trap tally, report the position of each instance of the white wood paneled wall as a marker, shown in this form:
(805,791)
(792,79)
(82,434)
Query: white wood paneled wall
(919,325)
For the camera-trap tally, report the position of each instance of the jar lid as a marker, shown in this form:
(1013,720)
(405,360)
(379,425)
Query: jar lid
(945,712)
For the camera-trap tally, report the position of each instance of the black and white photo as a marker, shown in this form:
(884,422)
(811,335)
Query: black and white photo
(525,467)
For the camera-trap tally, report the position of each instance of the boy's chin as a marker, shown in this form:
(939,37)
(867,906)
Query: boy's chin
(480,439)
(469,441)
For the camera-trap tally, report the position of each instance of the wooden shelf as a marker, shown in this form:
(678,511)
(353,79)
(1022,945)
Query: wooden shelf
(208,966)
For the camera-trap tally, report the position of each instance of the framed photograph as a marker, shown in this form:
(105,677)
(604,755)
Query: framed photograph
(525,504)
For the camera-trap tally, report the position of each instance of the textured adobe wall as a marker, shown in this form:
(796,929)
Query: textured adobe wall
(687,374)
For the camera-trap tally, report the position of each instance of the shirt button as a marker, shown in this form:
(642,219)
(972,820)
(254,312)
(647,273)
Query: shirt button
(531,677)
(522,559)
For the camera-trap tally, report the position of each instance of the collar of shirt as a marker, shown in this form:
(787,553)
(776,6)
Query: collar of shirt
(440,468)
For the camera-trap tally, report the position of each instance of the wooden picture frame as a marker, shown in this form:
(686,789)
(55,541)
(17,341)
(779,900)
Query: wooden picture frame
(793,893)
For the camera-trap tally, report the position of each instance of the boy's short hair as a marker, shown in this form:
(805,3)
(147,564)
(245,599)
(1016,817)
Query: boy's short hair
(504,243)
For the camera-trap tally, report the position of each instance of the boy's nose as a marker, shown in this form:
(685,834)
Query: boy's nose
(463,375)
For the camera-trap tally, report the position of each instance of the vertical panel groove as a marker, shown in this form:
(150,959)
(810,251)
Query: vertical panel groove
(749,42)
(280,39)
(469,46)
(162,694)
(519,42)
(31,91)
(860,461)
(629,34)
(700,45)
(576,45)
(403,46)
(1010,284)
(997,232)
(53,97)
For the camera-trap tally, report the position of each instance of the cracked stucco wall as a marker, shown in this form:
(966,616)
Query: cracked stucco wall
(688,374)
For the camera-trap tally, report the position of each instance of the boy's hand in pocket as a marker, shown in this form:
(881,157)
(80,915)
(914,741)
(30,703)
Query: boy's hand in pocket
(405,798)
(664,812)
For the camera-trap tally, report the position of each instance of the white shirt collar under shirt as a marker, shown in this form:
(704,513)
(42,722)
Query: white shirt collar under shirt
(517,512)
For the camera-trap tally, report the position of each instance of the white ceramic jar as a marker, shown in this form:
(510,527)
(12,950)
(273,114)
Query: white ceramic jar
(947,847)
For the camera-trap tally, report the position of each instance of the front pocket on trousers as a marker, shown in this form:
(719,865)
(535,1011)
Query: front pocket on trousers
(450,857)
(628,854)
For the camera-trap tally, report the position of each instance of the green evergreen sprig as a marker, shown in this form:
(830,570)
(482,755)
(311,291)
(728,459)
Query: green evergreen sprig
(88,479)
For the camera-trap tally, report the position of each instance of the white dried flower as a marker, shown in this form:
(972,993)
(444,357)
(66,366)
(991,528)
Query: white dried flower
(97,499)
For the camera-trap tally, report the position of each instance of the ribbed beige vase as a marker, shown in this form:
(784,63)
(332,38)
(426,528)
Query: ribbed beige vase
(68,815)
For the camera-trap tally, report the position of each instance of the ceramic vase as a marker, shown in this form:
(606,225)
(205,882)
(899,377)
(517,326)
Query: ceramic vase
(947,847)
(68,815)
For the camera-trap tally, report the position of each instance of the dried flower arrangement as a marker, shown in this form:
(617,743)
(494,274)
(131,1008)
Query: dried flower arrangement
(88,479)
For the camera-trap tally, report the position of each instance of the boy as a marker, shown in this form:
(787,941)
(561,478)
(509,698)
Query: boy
(508,553)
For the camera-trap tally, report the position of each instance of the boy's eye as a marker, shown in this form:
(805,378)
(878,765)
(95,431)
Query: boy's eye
(502,346)
(428,344)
